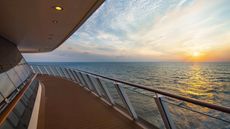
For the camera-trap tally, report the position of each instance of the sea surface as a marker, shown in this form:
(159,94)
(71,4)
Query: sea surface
(209,82)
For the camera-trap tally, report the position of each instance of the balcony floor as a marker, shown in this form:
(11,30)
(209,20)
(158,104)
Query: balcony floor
(64,105)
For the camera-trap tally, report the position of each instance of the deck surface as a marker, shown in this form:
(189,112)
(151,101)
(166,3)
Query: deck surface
(65,105)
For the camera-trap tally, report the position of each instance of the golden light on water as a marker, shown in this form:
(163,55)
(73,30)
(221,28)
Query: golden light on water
(198,85)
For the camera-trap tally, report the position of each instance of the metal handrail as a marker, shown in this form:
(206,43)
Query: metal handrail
(197,111)
(190,100)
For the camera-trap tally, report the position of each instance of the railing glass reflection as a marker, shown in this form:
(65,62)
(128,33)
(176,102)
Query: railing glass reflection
(19,117)
(12,81)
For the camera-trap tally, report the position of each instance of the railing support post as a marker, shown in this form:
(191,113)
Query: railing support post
(39,69)
(126,100)
(32,69)
(85,83)
(69,74)
(165,114)
(94,87)
(63,72)
(106,91)
(46,70)
(52,72)
(74,76)
(59,74)
(78,78)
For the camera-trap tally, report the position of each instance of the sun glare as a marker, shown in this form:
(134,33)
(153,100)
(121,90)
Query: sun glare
(196,54)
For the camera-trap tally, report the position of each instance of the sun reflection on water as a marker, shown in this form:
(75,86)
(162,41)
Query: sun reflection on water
(197,85)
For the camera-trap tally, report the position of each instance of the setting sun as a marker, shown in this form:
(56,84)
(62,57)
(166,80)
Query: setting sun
(196,54)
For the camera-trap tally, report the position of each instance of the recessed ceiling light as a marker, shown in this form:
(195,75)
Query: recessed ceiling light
(54,21)
(58,8)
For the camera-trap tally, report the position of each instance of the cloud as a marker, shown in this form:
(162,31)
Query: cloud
(147,30)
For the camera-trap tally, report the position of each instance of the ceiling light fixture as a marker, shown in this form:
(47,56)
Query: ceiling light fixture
(54,21)
(58,8)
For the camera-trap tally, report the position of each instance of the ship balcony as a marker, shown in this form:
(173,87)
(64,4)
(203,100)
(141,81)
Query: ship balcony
(53,97)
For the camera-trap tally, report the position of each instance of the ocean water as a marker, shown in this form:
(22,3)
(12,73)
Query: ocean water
(209,82)
(204,81)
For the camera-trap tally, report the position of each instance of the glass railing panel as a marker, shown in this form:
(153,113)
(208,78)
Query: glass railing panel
(27,70)
(44,70)
(26,73)
(28,93)
(86,80)
(23,61)
(60,72)
(19,117)
(6,125)
(14,77)
(6,86)
(39,69)
(57,71)
(25,99)
(33,85)
(20,72)
(13,118)
(35,68)
(75,75)
(1,98)
(113,92)
(70,74)
(191,116)
(24,70)
(92,85)
(53,71)
(65,73)
(81,79)
(97,85)
(144,105)
(20,108)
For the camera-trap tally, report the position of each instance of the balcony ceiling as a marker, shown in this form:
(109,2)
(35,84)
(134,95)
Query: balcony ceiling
(36,26)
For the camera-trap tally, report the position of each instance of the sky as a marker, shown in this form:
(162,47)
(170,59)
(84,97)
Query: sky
(149,30)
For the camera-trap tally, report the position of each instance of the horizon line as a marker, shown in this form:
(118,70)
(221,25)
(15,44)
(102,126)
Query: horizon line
(129,62)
